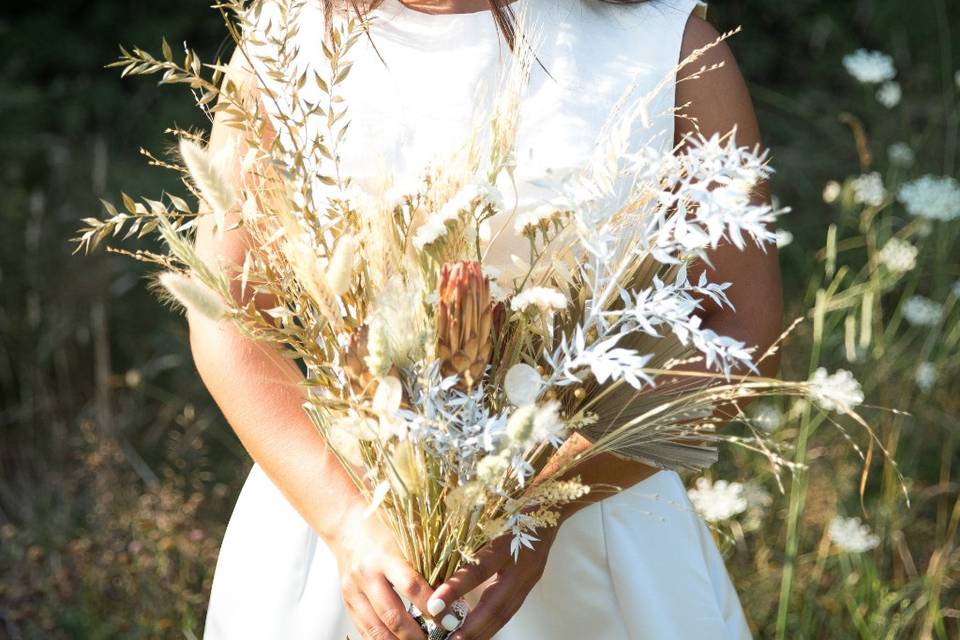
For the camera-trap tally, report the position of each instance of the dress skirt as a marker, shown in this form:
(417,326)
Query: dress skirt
(638,565)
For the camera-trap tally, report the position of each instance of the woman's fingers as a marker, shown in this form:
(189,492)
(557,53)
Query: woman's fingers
(410,584)
(391,611)
(489,560)
(496,606)
(366,620)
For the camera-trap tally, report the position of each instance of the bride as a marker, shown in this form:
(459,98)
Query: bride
(299,559)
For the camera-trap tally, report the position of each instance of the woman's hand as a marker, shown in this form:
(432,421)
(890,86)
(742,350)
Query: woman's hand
(371,566)
(502,597)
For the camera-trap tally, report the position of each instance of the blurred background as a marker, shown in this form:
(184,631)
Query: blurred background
(118,473)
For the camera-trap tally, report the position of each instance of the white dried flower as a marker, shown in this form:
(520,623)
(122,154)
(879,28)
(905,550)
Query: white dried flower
(538,219)
(522,384)
(900,154)
(925,376)
(870,67)
(932,197)
(851,535)
(193,294)
(546,299)
(491,468)
(898,256)
(831,191)
(767,417)
(718,501)
(520,424)
(868,189)
(838,391)
(922,312)
(784,238)
(340,269)
(889,94)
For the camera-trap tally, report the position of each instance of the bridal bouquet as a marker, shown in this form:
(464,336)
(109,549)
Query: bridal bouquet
(443,384)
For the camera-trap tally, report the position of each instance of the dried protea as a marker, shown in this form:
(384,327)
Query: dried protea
(464,321)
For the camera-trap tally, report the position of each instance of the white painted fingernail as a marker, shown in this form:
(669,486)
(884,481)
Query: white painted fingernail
(435,606)
(450,622)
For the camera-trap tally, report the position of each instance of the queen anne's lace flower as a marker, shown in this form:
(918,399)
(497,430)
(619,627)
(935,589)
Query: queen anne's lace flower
(931,197)
(836,391)
(718,501)
(870,67)
(851,535)
(925,376)
(889,94)
(901,155)
(898,256)
(544,298)
(868,189)
(922,312)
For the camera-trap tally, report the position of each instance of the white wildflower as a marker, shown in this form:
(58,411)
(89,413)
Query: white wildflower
(435,228)
(868,189)
(831,191)
(922,312)
(835,391)
(851,535)
(522,384)
(756,496)
(718,501)
(925,376)
(870,67)
(936,198)
(889,94)
(898,256)
(767,417)
(547,424)
(900,154)
(784,238)
(546,299)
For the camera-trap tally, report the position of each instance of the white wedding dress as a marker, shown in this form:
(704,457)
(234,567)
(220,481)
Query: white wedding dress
(638,565)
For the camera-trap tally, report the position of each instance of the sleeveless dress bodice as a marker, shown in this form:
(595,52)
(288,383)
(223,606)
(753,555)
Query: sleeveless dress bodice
(638,565)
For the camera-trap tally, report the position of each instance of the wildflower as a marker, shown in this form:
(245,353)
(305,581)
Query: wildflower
(900,154)
(756,496)
(544,298)
(193,294)
(925,376)
(838,391)
(851,535)
(889,94)
(922,312)
(718,501)
(768,417)
(831,191)
(868,189)
(784,238)
(522,384)
(936,198)
(870,67)
(898,256)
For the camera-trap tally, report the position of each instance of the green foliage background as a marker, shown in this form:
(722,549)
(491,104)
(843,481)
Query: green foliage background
(117,472)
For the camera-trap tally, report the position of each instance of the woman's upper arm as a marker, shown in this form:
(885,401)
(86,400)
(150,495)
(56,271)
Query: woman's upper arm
(717,102)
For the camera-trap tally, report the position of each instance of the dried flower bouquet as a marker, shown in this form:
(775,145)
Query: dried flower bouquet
(443,386)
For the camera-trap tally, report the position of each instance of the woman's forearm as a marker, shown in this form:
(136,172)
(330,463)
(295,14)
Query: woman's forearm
(260,394)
